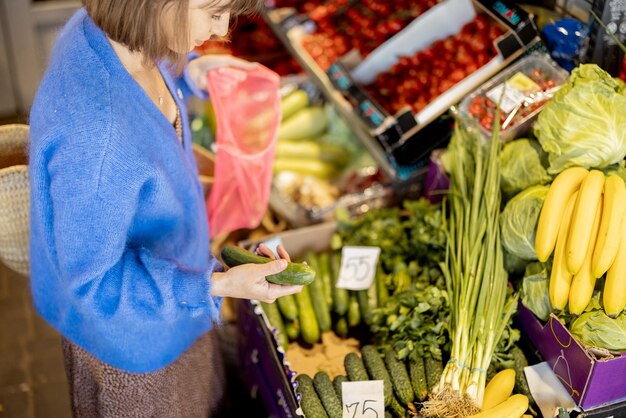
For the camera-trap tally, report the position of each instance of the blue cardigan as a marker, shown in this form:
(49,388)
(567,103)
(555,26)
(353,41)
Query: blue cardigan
(120,255)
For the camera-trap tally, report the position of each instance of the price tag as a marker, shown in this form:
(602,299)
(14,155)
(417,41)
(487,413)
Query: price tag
(358,267)
(363,399)
(273,243)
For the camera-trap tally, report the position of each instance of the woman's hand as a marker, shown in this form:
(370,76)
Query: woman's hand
(248,281)
(199,67)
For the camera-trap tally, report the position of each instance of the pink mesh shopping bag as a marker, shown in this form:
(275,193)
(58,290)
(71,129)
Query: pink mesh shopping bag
(247,109)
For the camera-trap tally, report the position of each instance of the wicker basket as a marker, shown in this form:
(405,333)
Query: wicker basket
(14,198)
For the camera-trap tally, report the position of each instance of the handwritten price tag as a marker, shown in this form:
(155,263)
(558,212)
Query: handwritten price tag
(272,243)
(363,399)
(358,267)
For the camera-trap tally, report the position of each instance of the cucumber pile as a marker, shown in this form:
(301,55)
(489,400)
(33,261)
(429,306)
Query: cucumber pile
(322,398)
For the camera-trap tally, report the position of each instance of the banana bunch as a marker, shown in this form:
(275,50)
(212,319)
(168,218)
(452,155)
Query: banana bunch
(581,222)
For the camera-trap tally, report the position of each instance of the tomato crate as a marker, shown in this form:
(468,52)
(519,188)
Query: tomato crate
(522,90)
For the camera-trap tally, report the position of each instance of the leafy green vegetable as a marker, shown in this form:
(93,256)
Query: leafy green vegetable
(514,265)
(519,222)
(584,124)
(522,165)
(535,290)
(596,329)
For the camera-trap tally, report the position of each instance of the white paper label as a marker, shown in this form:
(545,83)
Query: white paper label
(358,267)
(363,399)
(273,243)
(511,98)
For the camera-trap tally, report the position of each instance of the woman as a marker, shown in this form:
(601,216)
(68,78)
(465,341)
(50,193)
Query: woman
(120,259)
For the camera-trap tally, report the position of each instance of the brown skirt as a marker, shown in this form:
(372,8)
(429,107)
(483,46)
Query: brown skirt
(192,386)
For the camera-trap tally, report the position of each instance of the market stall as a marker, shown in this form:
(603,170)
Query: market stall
(498,273)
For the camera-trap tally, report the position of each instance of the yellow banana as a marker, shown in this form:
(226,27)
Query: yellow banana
(584,281)
(608,239)
(563,186)
(589,197)
(561,278)
(614,296)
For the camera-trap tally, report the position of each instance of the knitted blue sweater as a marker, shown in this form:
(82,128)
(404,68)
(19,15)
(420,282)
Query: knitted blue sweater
(120,257)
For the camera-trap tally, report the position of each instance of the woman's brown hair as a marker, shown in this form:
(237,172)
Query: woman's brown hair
(137,24)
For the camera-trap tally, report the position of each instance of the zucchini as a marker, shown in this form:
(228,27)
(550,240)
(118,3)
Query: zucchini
(355,368)
(310,402)
(337,384)
(376,369)
(292,328)
(341,327)
(397,409)
(340,296)
(323,270)
(293,103)
(381,288)
(418,377)
(309,122)
(305,166)
(276,321)
(287,307)
(399,377)
(312,149)
(354,313)
(309,329)
(294,274)
(434,370)
(499,389)
(401,278)
(362,298)
(322,313)
(521,384)
(326,393)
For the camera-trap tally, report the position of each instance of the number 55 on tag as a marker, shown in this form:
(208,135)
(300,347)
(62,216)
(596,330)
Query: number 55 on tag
(358,267)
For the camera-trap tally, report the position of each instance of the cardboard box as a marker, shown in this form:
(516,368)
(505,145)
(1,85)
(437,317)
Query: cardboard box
(591,382)
(270,374)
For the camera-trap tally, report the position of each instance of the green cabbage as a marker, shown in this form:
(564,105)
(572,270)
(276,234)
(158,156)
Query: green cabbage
(596,329)
(519,222)
(535,290)
(522,164)
(584,124)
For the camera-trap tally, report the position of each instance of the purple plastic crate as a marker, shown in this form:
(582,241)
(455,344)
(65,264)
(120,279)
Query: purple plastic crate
(591,382)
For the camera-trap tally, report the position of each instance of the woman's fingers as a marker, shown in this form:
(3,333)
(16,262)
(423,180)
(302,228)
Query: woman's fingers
(282,253)
(264,250)
(275,291)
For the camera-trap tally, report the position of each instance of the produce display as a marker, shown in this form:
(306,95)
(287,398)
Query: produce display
(417,80)
(363,25)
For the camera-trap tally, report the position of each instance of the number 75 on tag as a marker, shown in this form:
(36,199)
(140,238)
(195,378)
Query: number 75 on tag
(358,267)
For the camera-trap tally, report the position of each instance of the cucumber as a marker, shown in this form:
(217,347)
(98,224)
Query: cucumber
(418,377)
(341,327)
(376,369)
(294,274)
(399,377)
(340,296)
(323,262)
(293,103)
(355,368)
(337,384)
(396,408)
(310,402)
(309,330)
(354,313)
(326,393)
(271,311)
(521,384)
(434,370)
(287,307)
(293,329)
(322,313)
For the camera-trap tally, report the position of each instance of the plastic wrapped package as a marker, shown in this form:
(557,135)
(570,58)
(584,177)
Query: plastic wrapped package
(247,109)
